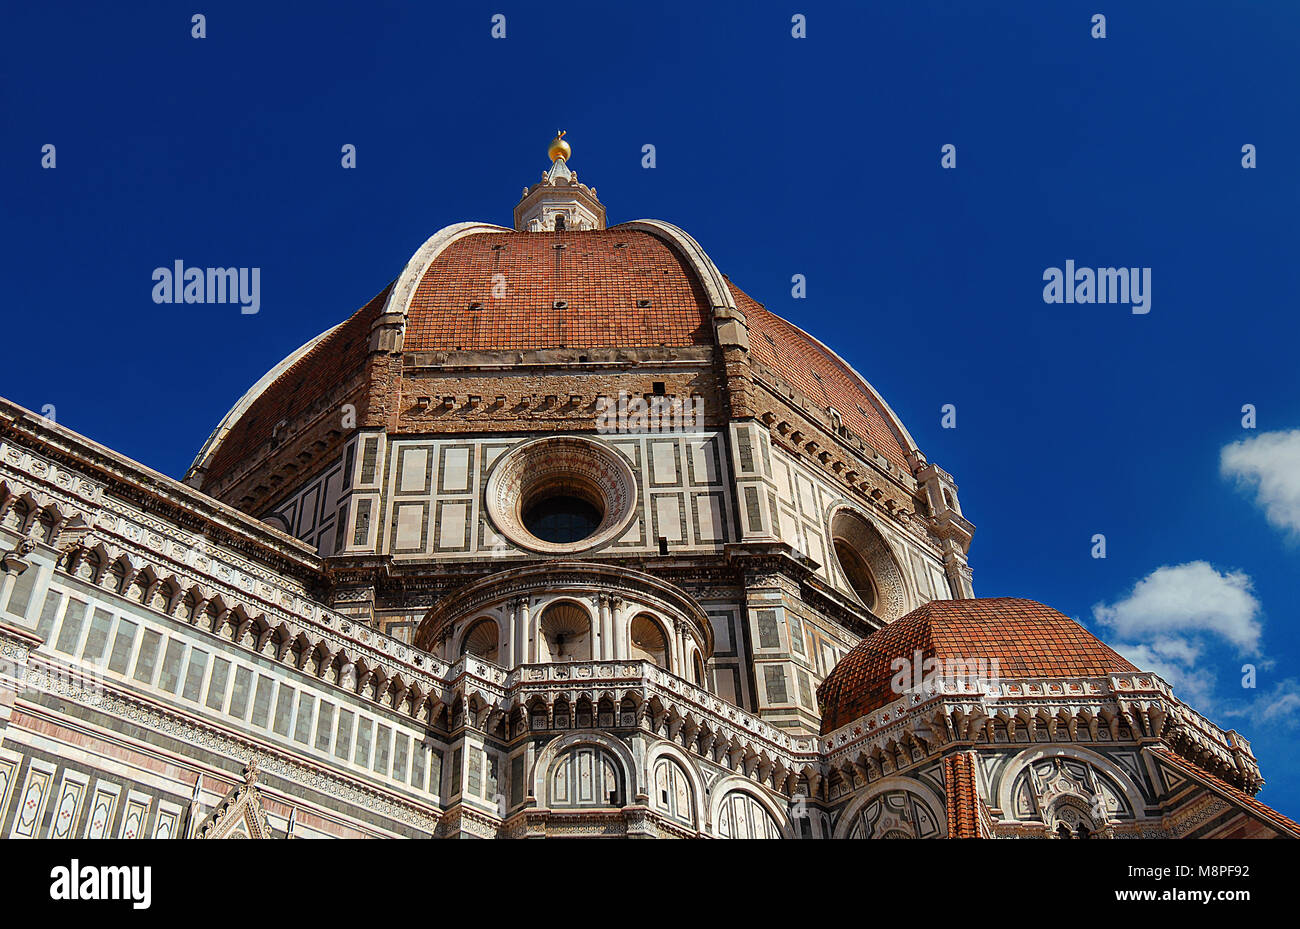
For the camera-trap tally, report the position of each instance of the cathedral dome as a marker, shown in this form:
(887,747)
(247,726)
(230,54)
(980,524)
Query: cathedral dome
(618,288)
(560,304)
(1028,640)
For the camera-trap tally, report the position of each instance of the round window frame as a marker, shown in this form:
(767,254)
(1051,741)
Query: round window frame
(523,474)
(886,570)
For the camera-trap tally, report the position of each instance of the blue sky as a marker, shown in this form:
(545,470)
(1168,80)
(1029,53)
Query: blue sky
(818,156)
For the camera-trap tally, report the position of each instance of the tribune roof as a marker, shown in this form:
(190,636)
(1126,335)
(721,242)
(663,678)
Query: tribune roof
(1028,639)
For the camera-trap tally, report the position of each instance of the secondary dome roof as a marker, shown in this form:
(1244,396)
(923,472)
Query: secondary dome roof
(1028,639)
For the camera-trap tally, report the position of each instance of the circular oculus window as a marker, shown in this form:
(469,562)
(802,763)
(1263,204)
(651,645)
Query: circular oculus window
(560,495)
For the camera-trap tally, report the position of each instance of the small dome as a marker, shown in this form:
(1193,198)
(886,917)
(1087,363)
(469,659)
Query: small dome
(1028,639)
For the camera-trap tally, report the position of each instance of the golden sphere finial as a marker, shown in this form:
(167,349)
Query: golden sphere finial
(559,148)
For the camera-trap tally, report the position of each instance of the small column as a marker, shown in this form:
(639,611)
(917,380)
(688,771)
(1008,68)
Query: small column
(529,640)
(508,637)
(616,637)
(606,645)
(15,563)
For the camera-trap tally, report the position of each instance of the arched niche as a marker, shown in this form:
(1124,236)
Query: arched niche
(482,639)
(648,641)
(564,633)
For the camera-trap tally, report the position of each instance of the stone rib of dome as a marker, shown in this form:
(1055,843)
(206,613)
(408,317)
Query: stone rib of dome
(331,362)
(1028,639)
(819,374)
(601,277)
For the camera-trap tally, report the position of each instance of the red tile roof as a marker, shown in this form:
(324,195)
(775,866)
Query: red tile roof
(820,376)
(330,362)
(600,274)
(1234,795)
(602,277)
(1029,640)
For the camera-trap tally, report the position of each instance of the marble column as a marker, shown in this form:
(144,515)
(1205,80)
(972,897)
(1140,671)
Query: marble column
(529,640)
(606,633)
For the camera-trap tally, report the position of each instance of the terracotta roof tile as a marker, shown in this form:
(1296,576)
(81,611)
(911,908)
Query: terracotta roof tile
(1028,639)
(330,362)
(820,376)
(601,275)
(1233,794)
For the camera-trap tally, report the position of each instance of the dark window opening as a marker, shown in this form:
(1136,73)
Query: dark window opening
(561,519)
(856,573)
(658,388)
(663,546)
(559,224)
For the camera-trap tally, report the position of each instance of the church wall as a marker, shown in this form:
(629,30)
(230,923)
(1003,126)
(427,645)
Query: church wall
(204,705)
(793,643)
(427,495)
(804,503)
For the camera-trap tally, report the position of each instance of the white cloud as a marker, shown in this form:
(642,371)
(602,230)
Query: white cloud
(1192,685)
(1173,606)
(1279,706)
(1268,463)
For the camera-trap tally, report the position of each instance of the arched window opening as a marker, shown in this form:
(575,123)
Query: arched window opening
(562,517)
(566,633)
(482,641)
(162,598)
(16,518)
(743,817)
(896,814)
(867,566)
(1072,819)
(857,574)
(49,522)
(586,776)
(672,792)
(698,668)
(648,641)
